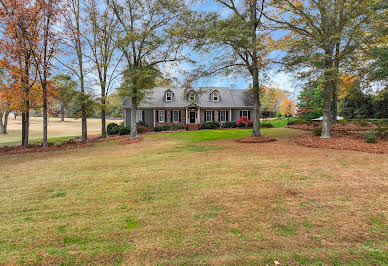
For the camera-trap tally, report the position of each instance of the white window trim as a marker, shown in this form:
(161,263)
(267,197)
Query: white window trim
(168,93)
(159,116)
(139,116)
(224,116)
(218,96)
(173,116)
(247,112)
(191,96)
(211,116)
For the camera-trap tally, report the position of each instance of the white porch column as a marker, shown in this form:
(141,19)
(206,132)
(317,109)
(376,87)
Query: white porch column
(154,111)
(199,116)
(187,114)
(230,115)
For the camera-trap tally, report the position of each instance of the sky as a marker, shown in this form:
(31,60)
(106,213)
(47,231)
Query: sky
(276,77)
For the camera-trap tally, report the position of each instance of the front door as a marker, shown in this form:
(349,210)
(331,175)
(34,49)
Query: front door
(192,117)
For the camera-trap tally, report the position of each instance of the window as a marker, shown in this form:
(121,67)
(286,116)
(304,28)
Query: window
(161,116)
(209,116)
(191,96)
(223,116)
(169,96)
(175,116)
(245,113)
(216,96)
(139,115)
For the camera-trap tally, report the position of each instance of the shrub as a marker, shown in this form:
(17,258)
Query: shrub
(177,127)
(121,124)
(382,131)
(111,126)
(244,120)
(317,131)
(114,131)
(242,125)
(142,123)
(371,137)
(229,124)
(278,114)
(124,131)
(142,129)
(162,128)
(210,125)
(250,123)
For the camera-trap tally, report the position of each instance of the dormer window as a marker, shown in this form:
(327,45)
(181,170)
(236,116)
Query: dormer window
(216,96)
(168,96)
(191,96)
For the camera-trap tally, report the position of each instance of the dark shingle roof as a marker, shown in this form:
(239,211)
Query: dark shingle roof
(228,98)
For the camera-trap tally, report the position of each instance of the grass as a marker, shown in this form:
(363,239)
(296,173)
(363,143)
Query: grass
(57,131)
(194,198)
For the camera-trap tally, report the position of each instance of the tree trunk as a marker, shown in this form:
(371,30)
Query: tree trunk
(84,125)
(255,72)
(103,120)
(133,118)
(44,88)
(326,123)
(5,123)
(334,107)
(27,127)
(23,127)
(1,124)
(103,112)
(62,112)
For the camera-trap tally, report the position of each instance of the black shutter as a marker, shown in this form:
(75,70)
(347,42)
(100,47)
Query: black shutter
(227,115)
(171,116)
(240,113)
(143,115)
(249,115)
(179,118)
(157,116)
(213,116)
(219,116)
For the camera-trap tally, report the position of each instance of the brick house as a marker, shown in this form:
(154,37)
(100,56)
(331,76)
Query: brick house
(192,106)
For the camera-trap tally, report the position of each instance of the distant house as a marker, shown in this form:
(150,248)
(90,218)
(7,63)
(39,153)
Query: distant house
(190,106)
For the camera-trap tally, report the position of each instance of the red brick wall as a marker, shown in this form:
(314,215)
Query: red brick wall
(169,118)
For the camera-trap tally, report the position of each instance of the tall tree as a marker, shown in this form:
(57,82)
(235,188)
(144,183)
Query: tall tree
(76,42)
(45,51)
(324,35)
(242,42)
(102,25)
(147,39)
(20,34)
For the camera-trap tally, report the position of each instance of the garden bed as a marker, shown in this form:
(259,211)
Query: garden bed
(341,141)
(338,127)
(261,139)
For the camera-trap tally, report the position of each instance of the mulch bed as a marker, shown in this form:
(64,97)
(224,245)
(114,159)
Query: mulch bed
(261,139)
(338,127)
(341,141)
(130,141)
(70,144)
(21,149)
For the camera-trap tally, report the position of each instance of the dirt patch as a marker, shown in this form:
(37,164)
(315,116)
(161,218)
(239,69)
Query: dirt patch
(130,141)
(36,148)
(340,141)
(261,139)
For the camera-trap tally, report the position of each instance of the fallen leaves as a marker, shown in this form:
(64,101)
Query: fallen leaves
(340,141)
(261,139)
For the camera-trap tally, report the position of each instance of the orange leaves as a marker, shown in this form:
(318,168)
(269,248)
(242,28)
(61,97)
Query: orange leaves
(287,107)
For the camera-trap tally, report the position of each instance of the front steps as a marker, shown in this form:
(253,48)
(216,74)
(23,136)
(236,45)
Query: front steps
(192,127)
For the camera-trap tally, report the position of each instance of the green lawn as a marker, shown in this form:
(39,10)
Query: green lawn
(194,198)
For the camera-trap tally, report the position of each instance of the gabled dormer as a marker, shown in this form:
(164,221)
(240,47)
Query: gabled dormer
(215,96)
(168,96)
(191,96)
